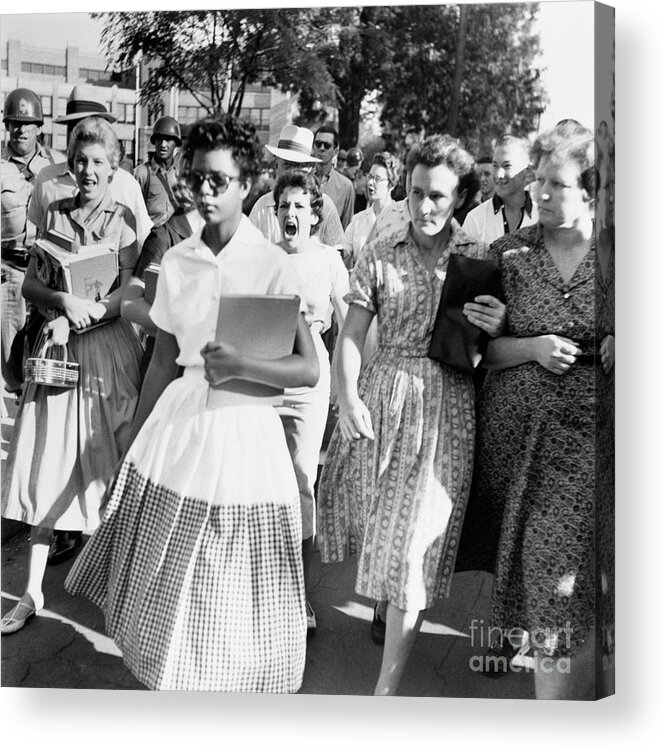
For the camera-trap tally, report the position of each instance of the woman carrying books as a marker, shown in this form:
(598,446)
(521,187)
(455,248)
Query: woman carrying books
(197,563)
(67,441)
(324,280)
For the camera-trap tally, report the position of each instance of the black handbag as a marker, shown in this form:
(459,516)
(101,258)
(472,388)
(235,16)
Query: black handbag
(455,340)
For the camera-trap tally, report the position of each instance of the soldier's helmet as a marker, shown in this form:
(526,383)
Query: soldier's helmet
(22,105)
(354,157)
(168,127)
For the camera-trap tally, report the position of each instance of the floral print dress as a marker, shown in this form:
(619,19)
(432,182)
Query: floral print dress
(399,500)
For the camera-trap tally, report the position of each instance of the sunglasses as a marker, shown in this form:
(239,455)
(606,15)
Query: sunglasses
(323,144)
(217,181)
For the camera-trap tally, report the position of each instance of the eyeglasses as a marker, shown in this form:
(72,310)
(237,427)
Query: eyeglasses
(217,181)
(323,144)
(376,178)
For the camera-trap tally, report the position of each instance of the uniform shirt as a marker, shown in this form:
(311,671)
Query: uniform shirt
(264,217)
(17,179)
(159,199)
(57,182)
(342,192)
(487,222)
(192,279)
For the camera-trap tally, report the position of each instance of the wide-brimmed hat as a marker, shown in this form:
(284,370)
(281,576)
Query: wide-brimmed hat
(294,145)
(85,101)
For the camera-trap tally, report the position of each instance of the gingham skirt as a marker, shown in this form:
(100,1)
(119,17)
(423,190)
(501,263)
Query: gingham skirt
(197,562)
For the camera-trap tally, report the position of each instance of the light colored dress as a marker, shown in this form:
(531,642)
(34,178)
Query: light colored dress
(399,500)
(67,441)
(197,563)
(304,411)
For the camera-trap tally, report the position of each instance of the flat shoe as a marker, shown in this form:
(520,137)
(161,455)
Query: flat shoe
(16,618)
(311,619)
(64,546)
(377,628)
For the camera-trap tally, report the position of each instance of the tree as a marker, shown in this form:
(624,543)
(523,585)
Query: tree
(471,74)
(215,54)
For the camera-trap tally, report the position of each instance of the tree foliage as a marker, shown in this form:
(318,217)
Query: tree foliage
(204,51)
(499,88)
(469,70)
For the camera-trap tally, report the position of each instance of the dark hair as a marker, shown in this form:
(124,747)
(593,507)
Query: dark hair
(93,130)
(484,160)
(391,164)
(309,184)
(328,129)
(443,149)
(567,142)
(225,132)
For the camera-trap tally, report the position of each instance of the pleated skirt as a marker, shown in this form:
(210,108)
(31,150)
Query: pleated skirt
(197,563)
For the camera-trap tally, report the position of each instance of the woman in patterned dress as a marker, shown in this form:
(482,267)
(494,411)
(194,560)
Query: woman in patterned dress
(67,441)
(536,459)
(197,562)
(397,475)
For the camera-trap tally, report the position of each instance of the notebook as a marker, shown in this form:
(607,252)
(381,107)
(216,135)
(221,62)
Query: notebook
(260,326)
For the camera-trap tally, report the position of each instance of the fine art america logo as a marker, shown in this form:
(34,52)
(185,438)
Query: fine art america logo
(515,650)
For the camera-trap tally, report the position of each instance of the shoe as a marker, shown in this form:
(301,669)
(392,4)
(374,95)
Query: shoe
(65,545)
(311,619)
(498,658)
(377,628)
(16,618)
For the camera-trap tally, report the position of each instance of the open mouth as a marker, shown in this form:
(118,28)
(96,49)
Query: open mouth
(290,228)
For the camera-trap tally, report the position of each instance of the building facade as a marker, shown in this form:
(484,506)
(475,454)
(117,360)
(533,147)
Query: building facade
(53,73)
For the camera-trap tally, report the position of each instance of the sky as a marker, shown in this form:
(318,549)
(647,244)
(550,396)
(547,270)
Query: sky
(566,28)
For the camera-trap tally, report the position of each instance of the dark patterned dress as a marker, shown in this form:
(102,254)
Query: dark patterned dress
(535,480)
(400,499)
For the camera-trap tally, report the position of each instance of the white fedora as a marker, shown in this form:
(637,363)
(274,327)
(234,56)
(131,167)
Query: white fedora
(86,101)
(294,145)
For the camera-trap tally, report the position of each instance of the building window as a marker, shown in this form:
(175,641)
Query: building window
(47,106)
(189,114)
(39,69)
(93,75)
(47,140)
(126,113)
(62,105)
(61,142)
(4,66)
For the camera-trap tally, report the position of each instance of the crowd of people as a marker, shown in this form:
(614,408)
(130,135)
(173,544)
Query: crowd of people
(193,511)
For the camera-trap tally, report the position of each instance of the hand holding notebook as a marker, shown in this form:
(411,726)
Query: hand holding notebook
(257,326)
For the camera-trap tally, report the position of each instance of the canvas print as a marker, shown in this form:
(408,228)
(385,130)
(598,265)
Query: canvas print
(398,522)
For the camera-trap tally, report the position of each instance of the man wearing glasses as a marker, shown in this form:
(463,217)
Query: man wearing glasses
(332,182)
(293,151)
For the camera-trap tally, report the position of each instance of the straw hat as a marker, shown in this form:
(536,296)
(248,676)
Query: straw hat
(86,101)
(294,145)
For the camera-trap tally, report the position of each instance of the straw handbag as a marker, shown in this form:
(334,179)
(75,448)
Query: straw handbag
(43,370)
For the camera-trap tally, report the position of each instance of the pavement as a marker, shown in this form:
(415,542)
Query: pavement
(65,646)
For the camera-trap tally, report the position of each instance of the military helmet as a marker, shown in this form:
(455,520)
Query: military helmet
(354,157)
(168,127)
(22,105)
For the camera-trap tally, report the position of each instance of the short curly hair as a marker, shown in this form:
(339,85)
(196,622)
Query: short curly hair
(391,164)
(94,130)
(564,143)
(444,149)
(225,132)
(309,184)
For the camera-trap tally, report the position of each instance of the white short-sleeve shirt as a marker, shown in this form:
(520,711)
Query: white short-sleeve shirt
(192,279)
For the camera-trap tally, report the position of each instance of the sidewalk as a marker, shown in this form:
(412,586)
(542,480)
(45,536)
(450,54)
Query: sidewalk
(65,646)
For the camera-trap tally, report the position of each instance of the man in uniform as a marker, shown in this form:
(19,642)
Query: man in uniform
(159,175)
(23,159)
